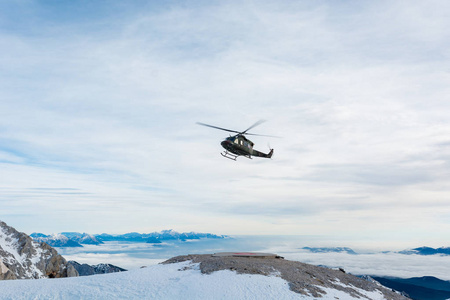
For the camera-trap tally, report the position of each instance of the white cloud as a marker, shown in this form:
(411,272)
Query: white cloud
(366,262)
(379,264)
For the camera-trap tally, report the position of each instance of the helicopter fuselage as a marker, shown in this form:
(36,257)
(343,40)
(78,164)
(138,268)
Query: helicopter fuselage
(239,145)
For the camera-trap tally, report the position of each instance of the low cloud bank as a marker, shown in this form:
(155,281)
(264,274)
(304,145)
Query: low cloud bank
(380,264)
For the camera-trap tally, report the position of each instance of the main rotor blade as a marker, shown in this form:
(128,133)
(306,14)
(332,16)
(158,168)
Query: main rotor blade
(253,126)
(224,129)
(274,136)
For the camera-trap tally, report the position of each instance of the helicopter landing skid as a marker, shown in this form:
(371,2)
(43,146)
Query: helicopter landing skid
(232,156)
(228,155)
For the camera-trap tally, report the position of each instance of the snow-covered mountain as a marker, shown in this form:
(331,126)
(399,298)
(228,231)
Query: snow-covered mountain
(127,237)
(167,235)
(66,239)
(427,251)
(76,239)
(55,240)
(158,237)
(23,258)
(82,238)
(203,277)
(330,249)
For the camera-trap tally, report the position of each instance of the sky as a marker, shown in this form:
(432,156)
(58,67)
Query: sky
(99,103)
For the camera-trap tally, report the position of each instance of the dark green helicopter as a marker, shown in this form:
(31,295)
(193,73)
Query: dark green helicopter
(239,145)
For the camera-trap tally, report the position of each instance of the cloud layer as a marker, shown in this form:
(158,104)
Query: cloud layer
(99,104)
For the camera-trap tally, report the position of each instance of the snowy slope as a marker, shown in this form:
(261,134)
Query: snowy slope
(171,281)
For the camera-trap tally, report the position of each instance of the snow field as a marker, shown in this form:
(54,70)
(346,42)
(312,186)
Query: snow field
(173,281)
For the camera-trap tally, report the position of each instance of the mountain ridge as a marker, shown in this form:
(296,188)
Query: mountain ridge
(330,249)
(87,270)
(23,258)
(76,239)
(427,251)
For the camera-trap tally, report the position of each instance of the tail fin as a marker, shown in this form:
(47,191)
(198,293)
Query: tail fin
(270,153)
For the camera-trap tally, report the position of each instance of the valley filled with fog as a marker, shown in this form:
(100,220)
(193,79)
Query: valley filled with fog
(355,260)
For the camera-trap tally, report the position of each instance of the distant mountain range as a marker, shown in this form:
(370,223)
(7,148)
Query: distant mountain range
(330,249)
(66,239)
(417,251)
(158,237)
(418,288)
(427,251)
(82,238)
(76,239)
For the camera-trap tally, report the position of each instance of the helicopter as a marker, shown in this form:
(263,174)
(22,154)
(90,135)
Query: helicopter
(238,145)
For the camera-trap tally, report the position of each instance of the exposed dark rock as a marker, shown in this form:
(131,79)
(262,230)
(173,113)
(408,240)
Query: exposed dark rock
(86,270)
(303,278)
(427,287)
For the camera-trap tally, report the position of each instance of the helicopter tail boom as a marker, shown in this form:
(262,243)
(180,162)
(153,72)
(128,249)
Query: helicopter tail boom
(260,154)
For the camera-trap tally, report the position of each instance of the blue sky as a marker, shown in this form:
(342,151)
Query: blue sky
(98,105)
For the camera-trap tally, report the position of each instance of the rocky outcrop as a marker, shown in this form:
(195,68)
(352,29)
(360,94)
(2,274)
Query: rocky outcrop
(5,272)
(23,258)
(303,278)
(86,270)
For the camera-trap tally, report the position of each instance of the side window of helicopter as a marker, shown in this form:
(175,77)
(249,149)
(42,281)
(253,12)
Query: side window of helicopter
(236,141)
